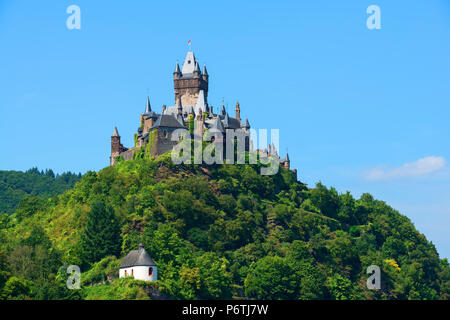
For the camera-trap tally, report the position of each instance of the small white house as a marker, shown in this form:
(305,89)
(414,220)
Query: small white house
(139,265)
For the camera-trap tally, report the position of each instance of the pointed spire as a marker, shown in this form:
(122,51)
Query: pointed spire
(189,63)
(222,110)
(180,119)
(205,73)
(246,124)
(115,133)
(177,68)
(197,68)
(217,125)
(287,156)
(148,107)
(226,121)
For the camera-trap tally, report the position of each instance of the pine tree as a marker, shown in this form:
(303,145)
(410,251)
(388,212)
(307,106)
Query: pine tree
(101,235)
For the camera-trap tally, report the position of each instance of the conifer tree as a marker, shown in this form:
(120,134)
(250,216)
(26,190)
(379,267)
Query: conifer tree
(101,235)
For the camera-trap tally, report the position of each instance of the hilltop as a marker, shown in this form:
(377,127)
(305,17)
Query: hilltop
(15,185)
(215,232)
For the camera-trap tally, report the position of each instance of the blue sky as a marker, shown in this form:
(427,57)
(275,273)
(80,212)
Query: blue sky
(362,110)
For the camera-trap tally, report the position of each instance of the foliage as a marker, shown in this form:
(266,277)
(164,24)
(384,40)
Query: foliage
(16,185)
(101,236)
(214,232)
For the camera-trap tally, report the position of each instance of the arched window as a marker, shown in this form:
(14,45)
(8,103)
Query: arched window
(132,273)
(125,273)
(150,271)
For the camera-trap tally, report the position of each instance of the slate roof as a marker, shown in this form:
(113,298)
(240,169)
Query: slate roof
(136,258)
(148,107)
(167,120)
(246,125)
(217,125)
(177,68)
(115,132)
(189,63)
(230,122)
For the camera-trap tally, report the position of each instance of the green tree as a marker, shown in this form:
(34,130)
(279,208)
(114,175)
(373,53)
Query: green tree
(17,289)
(271,278)
(215,278)
(101,236)
(340,287)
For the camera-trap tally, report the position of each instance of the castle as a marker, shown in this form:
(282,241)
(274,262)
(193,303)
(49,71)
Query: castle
(191,110)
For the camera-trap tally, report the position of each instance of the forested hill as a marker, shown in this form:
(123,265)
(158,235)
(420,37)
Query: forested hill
(215,232)
(14,185)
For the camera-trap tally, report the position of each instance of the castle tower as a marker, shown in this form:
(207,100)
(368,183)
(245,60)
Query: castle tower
(115,146)
(287,162)
(189,81)
(148,118)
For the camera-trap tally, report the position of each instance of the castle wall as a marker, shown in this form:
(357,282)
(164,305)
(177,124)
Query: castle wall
(128,155)
(163,141)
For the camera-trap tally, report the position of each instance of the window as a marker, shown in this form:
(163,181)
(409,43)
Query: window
(125,273)
(150,271)
(132,273)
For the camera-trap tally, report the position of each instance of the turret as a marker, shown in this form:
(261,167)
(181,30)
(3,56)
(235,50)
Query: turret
(286,163)
(115,146)
(196,71)
(222,110)
(177,72)
(226,121)
(238,112)
(205,75)
(148,107)
(246,124)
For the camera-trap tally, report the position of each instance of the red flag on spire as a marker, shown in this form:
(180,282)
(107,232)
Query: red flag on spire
(189,42)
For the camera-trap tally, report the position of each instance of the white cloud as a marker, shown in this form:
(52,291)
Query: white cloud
(417,168)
